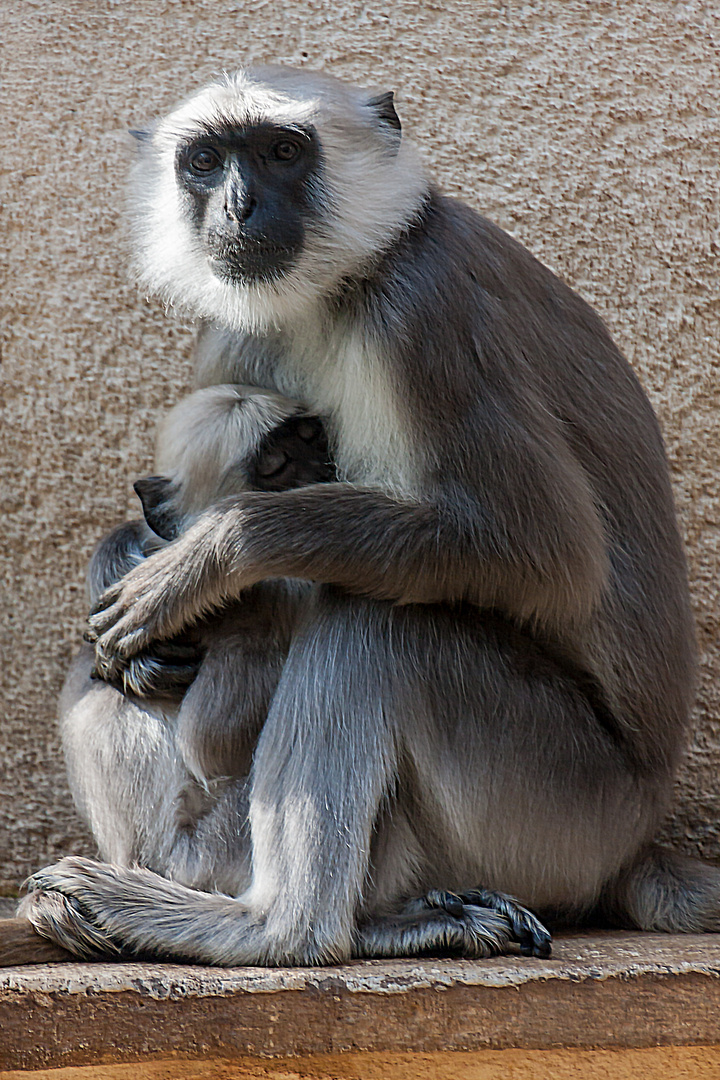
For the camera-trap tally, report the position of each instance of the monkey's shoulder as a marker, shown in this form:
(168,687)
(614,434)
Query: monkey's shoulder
(457,286)
(475,322)
(476,259)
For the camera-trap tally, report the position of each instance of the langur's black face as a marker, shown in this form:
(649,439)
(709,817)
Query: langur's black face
(293,454)
(251,195)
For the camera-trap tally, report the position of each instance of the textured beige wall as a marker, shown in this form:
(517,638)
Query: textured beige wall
(589,130)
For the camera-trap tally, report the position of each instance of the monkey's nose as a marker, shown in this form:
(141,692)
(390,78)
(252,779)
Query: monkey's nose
(241,208)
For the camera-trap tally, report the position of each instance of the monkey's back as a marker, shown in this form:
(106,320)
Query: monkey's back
(479,317)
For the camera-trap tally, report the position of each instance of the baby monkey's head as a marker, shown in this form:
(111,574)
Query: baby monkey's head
(224,440)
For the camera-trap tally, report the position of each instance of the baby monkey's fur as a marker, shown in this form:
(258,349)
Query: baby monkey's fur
(188,712)
(220,674)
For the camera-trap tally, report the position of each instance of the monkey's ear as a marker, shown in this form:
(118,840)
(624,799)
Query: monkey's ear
(153,490)
(384,108)
(155,493)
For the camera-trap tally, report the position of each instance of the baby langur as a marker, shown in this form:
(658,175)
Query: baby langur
(216,443)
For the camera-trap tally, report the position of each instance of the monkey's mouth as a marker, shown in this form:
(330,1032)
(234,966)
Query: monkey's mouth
(248,260)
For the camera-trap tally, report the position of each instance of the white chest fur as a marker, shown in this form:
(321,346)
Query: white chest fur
(338,374)
(342,378)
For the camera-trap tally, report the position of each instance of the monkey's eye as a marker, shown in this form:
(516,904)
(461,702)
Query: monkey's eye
(272,463)
(204,161)
(284,150)
(309,429)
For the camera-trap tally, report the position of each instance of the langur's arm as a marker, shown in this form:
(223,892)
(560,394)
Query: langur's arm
(526,539)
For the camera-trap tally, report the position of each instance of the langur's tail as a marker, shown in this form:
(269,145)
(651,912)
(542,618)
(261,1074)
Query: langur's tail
(666,891)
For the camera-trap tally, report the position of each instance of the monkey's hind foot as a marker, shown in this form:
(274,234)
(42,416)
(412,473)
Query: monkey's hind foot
(528,931)
(61,920)
(438,924)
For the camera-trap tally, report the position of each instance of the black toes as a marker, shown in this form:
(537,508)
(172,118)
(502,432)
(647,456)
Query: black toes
(528,931)
(453,904)
(448,901)
(540,945)
(167,669)
(534,942)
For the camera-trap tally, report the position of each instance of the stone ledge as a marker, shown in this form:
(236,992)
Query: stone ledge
(599,991)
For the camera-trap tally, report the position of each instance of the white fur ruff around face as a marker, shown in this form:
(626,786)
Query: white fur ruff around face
(369,188)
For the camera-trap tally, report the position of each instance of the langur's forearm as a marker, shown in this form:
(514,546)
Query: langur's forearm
(371,544)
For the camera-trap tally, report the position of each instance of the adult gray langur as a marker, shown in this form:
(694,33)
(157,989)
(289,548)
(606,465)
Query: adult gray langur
(488,692)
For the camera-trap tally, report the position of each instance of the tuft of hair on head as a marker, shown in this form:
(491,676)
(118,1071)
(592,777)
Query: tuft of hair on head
(369,187)
(210,432)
